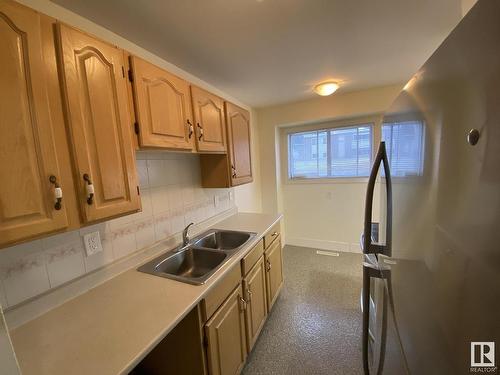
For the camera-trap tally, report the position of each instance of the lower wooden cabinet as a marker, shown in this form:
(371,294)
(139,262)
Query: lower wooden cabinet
(274,271)
(226,337)
(254,286)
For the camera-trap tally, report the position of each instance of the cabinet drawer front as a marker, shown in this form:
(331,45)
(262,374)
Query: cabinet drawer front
(98,115)
(219,293)
(163,107)
(252,257)
(272,235)
(29,152)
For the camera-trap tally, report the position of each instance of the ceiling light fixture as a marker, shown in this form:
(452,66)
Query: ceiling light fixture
(326,88)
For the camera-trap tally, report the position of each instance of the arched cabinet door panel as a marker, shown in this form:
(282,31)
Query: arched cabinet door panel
(210,122)
(163,107)
(98,116)
(30,163)
(238,134)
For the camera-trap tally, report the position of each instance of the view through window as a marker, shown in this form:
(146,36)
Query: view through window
(404,143)
(330,153)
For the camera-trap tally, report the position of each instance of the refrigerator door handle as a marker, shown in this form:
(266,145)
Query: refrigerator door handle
(371,269)
(368,246)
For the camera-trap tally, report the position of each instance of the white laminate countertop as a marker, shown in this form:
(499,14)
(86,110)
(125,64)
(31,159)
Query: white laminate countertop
(110,328)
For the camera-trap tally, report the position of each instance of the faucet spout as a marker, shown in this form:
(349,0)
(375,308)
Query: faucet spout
(185,235)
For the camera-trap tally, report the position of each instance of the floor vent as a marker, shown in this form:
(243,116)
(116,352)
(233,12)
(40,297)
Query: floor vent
(329,253)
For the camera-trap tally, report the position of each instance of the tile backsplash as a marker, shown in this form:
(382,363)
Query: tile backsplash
(172,197)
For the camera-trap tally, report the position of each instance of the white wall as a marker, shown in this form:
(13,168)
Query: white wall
(328,215)
(467,5)
(248,197)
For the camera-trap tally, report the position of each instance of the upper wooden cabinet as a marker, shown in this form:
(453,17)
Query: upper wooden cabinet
(162,106)
(31,163)
(234,168)
(238,134)
(95,93)
(210,124)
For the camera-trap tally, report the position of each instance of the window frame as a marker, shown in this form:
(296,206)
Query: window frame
(372,121)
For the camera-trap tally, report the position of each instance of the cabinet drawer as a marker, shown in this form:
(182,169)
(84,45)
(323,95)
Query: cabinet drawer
(220,292)
(252,257)
(271,235)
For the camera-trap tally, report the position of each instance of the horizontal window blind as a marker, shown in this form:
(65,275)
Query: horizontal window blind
(330,153)
(404,143)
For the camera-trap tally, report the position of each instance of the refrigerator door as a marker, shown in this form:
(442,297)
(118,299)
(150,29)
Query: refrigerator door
(445,265)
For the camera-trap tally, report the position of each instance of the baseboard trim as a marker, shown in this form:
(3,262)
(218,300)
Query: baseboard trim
(326,245)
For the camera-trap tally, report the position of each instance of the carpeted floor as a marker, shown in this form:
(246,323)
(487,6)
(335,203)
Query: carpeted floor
(315,325)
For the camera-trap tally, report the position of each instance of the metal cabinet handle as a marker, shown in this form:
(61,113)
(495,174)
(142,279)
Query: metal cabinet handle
(268,263)
(191,128)
(200,131)
(274,234)
(249,293)
(234,171)
(89,188)
(243,303)
(58,194)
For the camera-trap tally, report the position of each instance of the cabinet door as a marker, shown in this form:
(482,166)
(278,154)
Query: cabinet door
(225,332)
(254,286)
(28,150)
(210,124)
(274,272)
(98,116)
(163,107)
(238,135)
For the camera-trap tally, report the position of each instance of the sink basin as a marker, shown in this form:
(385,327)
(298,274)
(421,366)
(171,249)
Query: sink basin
(200,259)
(192,265)
(222,239)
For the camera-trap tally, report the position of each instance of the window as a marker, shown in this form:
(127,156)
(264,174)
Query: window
(404,142)
(327,153)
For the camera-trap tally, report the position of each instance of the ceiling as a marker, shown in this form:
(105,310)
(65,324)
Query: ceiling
(265,52)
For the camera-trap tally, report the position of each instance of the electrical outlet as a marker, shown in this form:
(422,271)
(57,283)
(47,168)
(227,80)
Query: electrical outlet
(92,243)
(216,201)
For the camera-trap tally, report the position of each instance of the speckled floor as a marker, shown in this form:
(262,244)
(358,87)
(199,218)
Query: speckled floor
(315,325)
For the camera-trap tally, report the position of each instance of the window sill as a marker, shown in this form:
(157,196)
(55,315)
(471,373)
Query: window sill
(327,181)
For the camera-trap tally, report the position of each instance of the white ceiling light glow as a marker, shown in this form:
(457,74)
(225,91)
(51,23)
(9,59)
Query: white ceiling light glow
(326,88)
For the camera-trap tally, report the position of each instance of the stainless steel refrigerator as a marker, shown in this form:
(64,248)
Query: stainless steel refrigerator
(431,289)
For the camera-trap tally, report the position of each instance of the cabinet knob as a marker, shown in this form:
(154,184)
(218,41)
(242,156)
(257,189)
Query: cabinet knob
(268,263)
(191,128)
(89,187)
(234,171)
(249,294)
(243,303)
(58,194)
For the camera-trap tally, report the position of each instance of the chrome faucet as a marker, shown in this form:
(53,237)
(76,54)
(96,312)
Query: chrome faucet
(185,236)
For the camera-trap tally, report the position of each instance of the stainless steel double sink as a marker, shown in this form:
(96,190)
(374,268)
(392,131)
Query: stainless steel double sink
(200,259)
